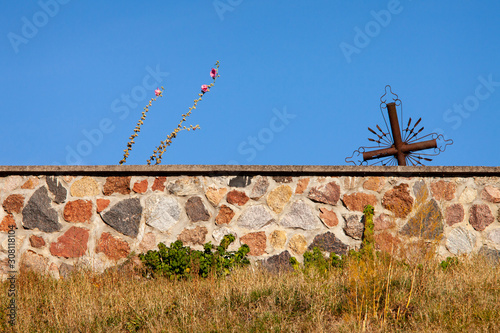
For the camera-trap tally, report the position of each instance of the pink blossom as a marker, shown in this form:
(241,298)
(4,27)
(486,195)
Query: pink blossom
(204,88)
(157,92)
(213,73)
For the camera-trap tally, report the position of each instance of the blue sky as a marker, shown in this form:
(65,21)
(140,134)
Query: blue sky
(300,81)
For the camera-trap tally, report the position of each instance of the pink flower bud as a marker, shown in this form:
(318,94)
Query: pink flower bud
(213,73)
(204,88)
(157,92)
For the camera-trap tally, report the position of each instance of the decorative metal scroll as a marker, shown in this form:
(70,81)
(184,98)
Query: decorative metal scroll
(396,147)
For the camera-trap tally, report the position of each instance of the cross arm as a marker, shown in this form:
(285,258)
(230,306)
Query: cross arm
(370,155)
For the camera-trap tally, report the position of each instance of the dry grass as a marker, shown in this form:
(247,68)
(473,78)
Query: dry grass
(379,295)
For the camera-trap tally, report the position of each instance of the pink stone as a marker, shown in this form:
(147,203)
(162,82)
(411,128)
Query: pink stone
(328,217)
(328,193)
(256,241)
(491,194)
(442,190)
(374,184)
(383,222)
(480,217)
(454,214)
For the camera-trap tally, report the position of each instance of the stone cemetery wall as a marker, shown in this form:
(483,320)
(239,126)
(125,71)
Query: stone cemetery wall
(54,218)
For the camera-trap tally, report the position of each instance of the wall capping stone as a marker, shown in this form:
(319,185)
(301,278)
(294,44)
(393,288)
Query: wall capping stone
(180,169)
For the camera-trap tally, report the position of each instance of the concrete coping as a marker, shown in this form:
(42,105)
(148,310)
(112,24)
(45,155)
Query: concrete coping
(289,170)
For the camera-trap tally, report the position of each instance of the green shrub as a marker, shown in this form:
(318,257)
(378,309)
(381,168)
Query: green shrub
(178,261)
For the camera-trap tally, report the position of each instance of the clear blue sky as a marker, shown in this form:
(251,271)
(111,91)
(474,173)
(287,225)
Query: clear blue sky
(69,67)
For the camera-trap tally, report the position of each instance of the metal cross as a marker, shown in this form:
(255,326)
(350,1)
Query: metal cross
(402,146)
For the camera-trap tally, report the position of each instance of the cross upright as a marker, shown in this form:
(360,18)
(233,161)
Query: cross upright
(399,149)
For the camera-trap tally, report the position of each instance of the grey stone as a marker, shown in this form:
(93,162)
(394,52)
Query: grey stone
(66,270)
(260,188)
(420,190)
(196,211)
(240,181)
(354,225)
(218,234)
(57,189)
(185,186)
(426,223)
(255,217)
(494,236)
(161,212)
(300,216)
(329,243)
(491,254)
(125,216)
(39,214)
(279,263)
(460,241)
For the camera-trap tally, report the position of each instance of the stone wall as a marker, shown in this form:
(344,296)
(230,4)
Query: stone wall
(96,216)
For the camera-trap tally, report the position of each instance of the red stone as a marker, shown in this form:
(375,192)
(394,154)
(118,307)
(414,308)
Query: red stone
(328,217)
(328,193)
(256,241)
(117,185)
(141,187)
(491,194)
(114,248)
(72,244)
(302,185)
(13,204)
(358,201)
(442,190)
(7,221)
(37,241)
(102,204)
(480,217)
(454,214)
(236,197)
(159,184)
(398,200)
(78,211)
(225,215)
(193,236)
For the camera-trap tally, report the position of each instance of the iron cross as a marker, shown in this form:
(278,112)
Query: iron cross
(401,147)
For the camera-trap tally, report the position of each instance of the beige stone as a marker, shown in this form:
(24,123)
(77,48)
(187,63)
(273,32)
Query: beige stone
(298,244)
(278,239)
(279,197)
(34,262)
(215,195)
(85,187)
(374,184)
(148,242)
(468,195)
(54,270)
